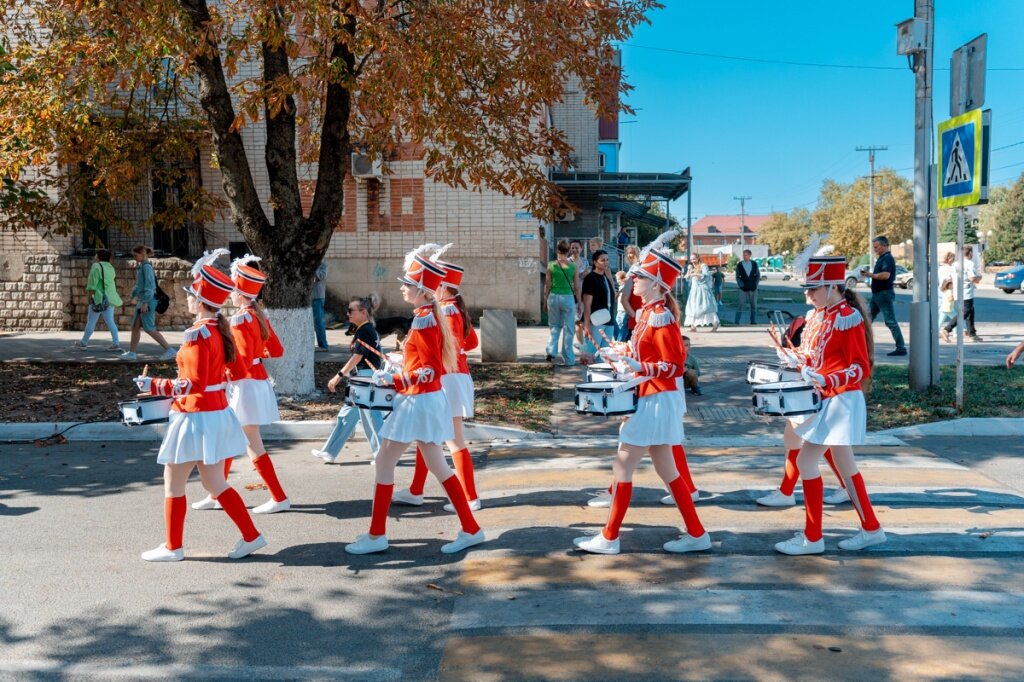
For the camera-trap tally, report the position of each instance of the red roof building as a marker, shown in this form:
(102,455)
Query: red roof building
(724,230)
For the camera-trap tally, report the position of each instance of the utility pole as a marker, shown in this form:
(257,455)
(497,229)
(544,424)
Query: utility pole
(871,202)
(743,218)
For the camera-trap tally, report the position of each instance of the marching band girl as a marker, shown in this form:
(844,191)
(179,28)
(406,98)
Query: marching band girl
(421,412)
(202,431)
(836,358)
(457,387)
(657,356)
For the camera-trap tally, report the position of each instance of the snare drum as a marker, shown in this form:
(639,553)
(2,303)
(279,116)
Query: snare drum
(770,373)
(146,409)
(601,371)
(605,398)
(786,398)
(362,392)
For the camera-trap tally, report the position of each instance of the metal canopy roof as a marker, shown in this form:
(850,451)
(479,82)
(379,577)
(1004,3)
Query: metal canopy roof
(577,186)
(635,210)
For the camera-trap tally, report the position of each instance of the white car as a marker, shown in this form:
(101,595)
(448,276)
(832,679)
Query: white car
(904,278)
(776,273)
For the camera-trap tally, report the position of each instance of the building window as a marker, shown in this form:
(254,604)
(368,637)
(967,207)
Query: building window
(712,229)
(601,160)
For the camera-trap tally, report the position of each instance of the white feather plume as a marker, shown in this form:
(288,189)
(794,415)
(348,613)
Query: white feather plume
(244,260)
(440,252)
(663,240)
(421,250)
(802,260)
(207,258)
(825,250)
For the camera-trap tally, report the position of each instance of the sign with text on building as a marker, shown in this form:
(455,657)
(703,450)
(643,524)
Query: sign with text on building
(524,215)
(960,160)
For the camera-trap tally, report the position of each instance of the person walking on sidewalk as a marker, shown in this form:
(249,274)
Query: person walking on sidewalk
(317,297)
(105,300)
(144,297)
(883,293)
(598,306)
(748,276)
(560,296)
(969,272)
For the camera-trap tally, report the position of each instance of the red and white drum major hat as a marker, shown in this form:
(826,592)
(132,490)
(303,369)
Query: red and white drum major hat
(211,286)
(657,264)
(452,273)
(248,280)
(825,270)
(420,271)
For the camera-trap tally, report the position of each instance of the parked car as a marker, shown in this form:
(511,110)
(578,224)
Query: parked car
(853,277)
(1011,279)
(776,273)
(904,277)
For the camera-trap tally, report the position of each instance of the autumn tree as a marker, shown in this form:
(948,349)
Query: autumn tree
(786,231)
(842,212)
(1006,224)
(101,84)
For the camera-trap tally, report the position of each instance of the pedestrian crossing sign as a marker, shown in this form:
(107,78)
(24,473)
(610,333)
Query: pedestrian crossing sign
(960,154)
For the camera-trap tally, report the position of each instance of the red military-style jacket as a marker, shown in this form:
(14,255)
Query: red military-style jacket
(657,344)
(201,371)
(466,341)
(834,345)
(250,347)
(423,364)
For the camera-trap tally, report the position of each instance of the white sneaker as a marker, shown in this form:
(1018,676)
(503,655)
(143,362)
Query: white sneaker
(128,355)
(597,544)
(324,455)
(863,539)
(474,505)
(169,354)
(207,503)
(462,541)
(403,496)
(799,545)
(243,549)
(161,553)
(603,500)
(838,497)
(272,507)
(776,499)
(78,345)
(688,543)
(671,501)
(364,544)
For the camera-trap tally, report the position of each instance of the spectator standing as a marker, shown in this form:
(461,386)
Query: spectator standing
(947,303)
(701,308)
(105,299)
(748,276)
(620,313)
(317,298)
(623,239)
(883,294)
(598,305)
(629,301)
(581,265)
(560,296)
(717,282)
(144,297)
(971,279)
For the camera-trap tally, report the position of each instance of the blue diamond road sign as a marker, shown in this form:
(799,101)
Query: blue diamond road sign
(960,147)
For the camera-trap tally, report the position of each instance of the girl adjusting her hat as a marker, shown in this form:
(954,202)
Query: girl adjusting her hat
(656,355)
(421,412)
(202,431)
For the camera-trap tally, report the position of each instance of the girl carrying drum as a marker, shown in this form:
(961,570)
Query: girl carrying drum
(836,358)
(202,431)
(658,356)
(421,412)
(457,387)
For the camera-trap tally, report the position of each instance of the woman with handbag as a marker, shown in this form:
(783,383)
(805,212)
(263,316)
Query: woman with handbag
(144,297)
(102,284)
(598,306)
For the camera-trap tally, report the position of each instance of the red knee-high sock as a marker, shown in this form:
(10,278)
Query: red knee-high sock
(791,475)
(681,494)
(814,494)
(236,511)
(832,464)
(862,504)
(679,455)
(620,503)
(458,497)
(265,468)
(419,474)
(174,521)
(227,467)
(464,470)
(381,504)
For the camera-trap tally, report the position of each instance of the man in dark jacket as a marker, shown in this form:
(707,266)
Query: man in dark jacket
(748,275)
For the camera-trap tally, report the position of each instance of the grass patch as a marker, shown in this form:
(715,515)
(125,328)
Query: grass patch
(514,394)
(990,391)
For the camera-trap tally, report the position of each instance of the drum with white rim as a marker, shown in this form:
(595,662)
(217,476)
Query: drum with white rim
(606,398)
(603,371)
(770,373)
(786,398)
(146,409)
(362,392)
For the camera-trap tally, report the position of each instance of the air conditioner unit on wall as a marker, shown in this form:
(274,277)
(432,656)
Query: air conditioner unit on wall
(363,167)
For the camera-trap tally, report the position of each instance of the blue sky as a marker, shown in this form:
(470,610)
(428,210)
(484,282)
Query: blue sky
(774,132)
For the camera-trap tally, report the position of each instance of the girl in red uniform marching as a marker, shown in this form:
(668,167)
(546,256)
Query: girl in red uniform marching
(836,358)
(250,394)
(421,412)
(457,387)
(657,356)
(202,430)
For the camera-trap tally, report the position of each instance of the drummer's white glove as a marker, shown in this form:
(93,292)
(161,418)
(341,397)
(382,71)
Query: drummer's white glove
(382,378)
(144,383)
(809,374)
(787,357)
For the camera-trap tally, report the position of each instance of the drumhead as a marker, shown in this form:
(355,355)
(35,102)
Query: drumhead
(597,386)
(783,387)
(765,365)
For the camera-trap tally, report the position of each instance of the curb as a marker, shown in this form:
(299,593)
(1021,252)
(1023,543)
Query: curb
(985,427)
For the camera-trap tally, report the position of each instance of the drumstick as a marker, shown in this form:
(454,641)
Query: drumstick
(384,359)
(604,336)
(145,370)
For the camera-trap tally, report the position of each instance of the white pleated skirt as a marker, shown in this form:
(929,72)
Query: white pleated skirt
(458,390)
(422,417)
(843,420)
(658,420)
(254,402)
(207,437)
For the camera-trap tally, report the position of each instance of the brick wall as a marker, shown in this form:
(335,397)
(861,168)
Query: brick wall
(31,298)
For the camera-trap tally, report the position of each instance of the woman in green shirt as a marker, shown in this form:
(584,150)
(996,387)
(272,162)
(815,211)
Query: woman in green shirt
(560,297)
(103,285)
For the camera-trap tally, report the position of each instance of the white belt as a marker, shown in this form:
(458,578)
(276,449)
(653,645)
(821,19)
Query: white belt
(214,387)
(256,361)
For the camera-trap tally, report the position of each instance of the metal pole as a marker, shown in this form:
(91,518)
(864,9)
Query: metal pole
(871,202)
(960,309)
(689,220)
(743,219)
(921,309)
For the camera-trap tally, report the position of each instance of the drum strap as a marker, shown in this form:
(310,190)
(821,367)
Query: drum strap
(631,384)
